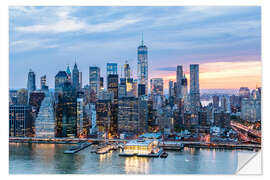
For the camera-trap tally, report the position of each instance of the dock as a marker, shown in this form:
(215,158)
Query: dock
(77,148)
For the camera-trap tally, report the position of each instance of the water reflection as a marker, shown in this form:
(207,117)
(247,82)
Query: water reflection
(137,165)
(50,159)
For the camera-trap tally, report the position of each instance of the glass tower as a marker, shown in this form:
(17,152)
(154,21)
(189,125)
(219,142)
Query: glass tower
(143,66)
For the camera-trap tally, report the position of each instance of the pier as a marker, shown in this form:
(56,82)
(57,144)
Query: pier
(79,147)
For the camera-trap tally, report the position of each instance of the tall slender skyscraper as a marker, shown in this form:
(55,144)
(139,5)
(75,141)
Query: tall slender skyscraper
(194,92)
(68,73)
(171,89)
(76,77)
(126,71)
(143,66)
(179,77)
(94,78)
(31,82)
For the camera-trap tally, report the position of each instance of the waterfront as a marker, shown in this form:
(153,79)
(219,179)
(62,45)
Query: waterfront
(34,158)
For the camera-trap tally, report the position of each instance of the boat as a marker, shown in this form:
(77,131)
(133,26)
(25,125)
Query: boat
(164,155)
(141,148)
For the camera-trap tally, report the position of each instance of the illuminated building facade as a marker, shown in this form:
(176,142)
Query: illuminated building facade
(194,92)
(20,120)
(179,77)
(128,116)
(94,78)
(113,84)
(66,112)
(76,77)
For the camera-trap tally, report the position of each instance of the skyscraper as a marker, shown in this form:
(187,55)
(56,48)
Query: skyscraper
(143,66)
(184,89)
(112,84)
(179,77)
(94,78)
(194,92)
(171,89)
(42,82)
(157,86)
(31,82)
(111,68)
(76,77)
(60,78)
(215,101)
(68,73)
(126,71)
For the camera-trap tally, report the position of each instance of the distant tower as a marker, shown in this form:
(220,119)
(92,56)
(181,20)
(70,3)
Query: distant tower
(194,91)
(68,73)
(42,81)
(126,71)
(143,65)
(179,77)
(76,77)
(94,78)
(31,82)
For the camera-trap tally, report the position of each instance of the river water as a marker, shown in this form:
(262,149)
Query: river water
(50,159)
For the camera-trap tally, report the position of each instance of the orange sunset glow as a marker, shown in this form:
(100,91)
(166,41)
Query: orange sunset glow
(231,75)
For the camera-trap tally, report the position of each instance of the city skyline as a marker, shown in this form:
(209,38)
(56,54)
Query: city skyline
(232,64)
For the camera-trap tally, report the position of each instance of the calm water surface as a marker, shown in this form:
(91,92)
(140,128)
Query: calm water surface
(50,159)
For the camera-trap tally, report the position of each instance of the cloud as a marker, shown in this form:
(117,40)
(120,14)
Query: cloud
(65,22)
(31,44)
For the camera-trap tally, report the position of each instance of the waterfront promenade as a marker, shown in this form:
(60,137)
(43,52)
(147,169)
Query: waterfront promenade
(192,144)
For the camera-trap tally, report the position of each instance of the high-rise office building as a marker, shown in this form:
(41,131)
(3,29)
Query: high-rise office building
(60,78)
(20,120)
(76,77)
(68,73)
(66,112)
(244,92)
(94,78)
(141,90)
(143,66)
(126,71)
(194,92)
(171,89)
(31,82)
(101,84)
(22,96)
(111,68)
(184,88)
(157,86)
(112,84)
(103,115)
(79,113)
(179,77)
(215,100)
(43,82)
(128,116)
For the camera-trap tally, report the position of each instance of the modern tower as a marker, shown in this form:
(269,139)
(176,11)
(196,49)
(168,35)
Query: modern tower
(194,91)
(42,81)
(143,66)
(126,71)
(31,82)
(68,73)
(94,78)
(111,68)
(76,77)
(179,77)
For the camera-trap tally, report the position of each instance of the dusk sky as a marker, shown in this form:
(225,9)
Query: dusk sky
(225,41)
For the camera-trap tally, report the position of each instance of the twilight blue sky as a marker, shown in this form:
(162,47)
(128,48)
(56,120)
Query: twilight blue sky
(46,39)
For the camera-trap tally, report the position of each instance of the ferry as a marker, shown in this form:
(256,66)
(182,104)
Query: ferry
(77,148)
(142,148)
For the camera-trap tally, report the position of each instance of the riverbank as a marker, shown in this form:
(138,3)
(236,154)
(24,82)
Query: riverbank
(191,144)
